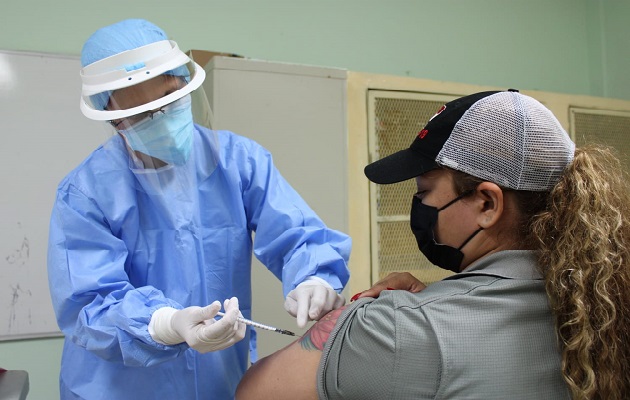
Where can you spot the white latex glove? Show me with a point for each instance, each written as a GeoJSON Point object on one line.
{"type": "Point", "coordinates": [197, 326]}
{"type": "Point", "coordinates": [311, 300]}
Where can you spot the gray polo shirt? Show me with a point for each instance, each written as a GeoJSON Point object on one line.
{"type": "Point", "coordinates": [485, 333]}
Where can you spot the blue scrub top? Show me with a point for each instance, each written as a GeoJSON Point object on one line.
{"type": "Point", "coordinates": [125, 242]}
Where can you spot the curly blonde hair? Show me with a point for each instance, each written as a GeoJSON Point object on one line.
{"type": "Point", "coordinates": [584, 238]}
{"type": "Point", "coordinates": [582, 231]}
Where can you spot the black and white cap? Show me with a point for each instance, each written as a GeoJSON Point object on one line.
{"type": "Point", "coordinates": [503, 137]}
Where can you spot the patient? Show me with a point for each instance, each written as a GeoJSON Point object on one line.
{"type": "Point", "coordinates": [538, 233]}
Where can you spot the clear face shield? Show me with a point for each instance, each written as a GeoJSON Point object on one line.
{"type": "Point", "coordinates": [149, 95]}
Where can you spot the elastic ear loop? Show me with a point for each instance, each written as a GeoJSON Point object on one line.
{"type": "Point", "coordinates": [480, 228]}
{"type": "Point", "coordinates": [456, 199]}
{"type": "Point", "coordinates": [466, 193]}
{"type": "Point", "coordinates": [470, 237]}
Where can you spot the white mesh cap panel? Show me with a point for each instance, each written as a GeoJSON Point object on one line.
{"type": "Point", "coordinates": [509, 139]}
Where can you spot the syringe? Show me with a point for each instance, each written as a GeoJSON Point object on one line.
{"type": "Point", "coordinates": [259, 325]}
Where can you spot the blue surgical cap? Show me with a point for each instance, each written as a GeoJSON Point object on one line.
{"type": "Point", "coordinates": [116, 38]}
{"type": "Point", "coordinates": [121, 36]}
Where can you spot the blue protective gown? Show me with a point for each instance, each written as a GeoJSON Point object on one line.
{"type": "Point", "coordinates": [126, 242]}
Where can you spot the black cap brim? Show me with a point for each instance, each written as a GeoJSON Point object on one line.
{"type": "Point", "coordinates": [398, 167]}
{"type": "Point", "coordinates": [420, 157]}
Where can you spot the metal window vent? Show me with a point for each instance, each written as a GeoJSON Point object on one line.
{"type": "Point", "coordinates": [610, 128]}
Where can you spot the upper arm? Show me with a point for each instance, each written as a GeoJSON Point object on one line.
{"type": "Point", "coordinates": [290, 373]}
{"type": "Point", "coordinates": [381, 349]}
{"type": "Point", "coordinates": [373, 349]}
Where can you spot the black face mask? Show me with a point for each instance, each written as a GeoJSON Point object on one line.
{"type": "Point", "coordinates": [423, 220]}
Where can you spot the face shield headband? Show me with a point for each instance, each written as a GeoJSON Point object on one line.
{"type": "Point", "coordinates": [133, 67]}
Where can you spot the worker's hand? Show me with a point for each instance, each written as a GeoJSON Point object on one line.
{"type": "Point", "coordinates": [393, 281]}
{"type": "Point", "coordinates": [197, 326]}
{"type": "Point", "coordinates": [311, 300]}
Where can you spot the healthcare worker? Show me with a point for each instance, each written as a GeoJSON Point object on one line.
{"type": "Point", "coordinates": [151, 235]}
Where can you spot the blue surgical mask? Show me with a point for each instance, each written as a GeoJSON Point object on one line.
{"type": "Point", "coordinates": [166, 134]}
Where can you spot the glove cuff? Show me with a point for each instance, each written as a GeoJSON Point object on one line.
{"type": "Point", "coordinates": [161, 329]}
{"type": "Point", "coordinates": [315, 281]}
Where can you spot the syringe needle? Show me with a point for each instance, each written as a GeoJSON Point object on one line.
{"type": "Point", "coordinates": [259, 325]}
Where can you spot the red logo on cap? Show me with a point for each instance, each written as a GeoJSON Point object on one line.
{"type": "Point", "coordinates": [424, 132]}
{"type": "Point", "coordinates": [439, 111]}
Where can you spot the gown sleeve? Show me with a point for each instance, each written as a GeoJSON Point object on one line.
{"type": "Point", "coordinates": [290, 239]}
{"type": "Point", "coordinates": [95, 304]}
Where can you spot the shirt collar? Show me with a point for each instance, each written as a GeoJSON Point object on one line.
{"type": "Point", "coordinates": [511, 264]}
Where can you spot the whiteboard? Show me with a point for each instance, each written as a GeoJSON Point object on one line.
{"type": "Point", "coordinates": [43, 136]}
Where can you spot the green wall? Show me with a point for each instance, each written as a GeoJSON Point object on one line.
{"type": "Point", "coordinates": [566, 46]}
